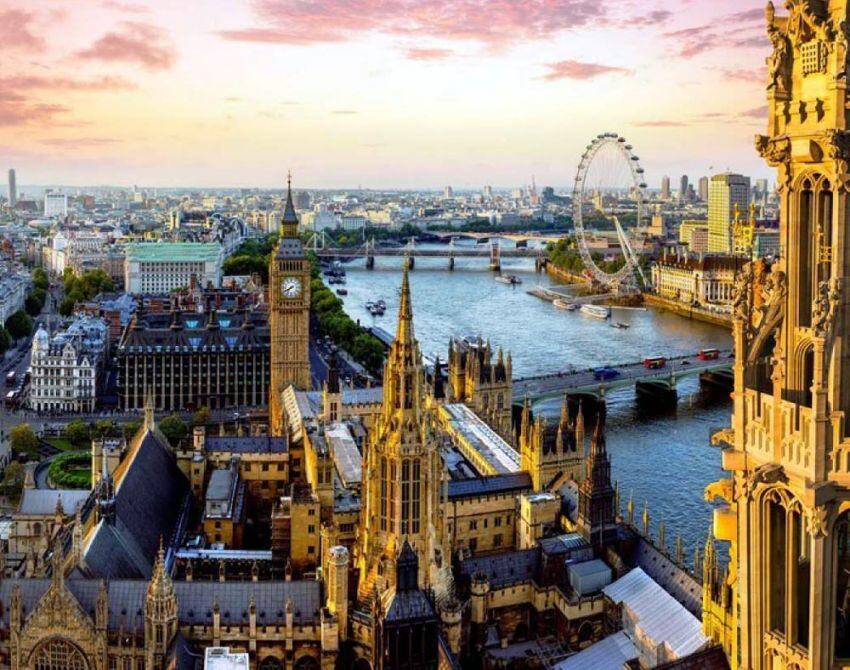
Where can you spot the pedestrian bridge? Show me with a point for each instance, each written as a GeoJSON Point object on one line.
{"type": "Point", "coordinates": [654, 381]}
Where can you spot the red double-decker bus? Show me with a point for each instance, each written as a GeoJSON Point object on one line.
{"type": "Point", "coordinates": [709, 354]}
{"type": "Point", "coordinates": [653, 362]}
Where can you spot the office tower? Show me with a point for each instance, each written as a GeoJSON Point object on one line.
{"type": "Point", "coordinates": [683, 188]}
{"type": "Point", "coordinates": [448, 193]}
{"type": "Point", "coordinates": [665, 188]}
{"type": "Point", "coordinates": [703, 189]}
{"type": "Point", "coordinates": [487, 192]}
{"type": "Point", "coordinates": [724, 193]}
{"type": "Point", "coordinates": [13, 189]}
{"type": "Point", "coordinates": [760, 194]}
{"type": "Point", "coordinates": [55, 204]}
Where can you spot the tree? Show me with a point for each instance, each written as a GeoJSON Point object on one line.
{"type": "Point", "coordinates": [5, 340]}
{"type": "Point", "coordinates": [13, 481]}
{"type": "Point", "coordinates": [66, 307]}
{"type": "Point", "coordinates": [202, 416]}
{"type": "Point", "coordinates": [23, 440]}
{"type": "Point", "coordinates": [39, 279]}
{"type": "Point", "coordinates": [77, 433]}
{"type": "Point", "coordinates": [130, 428]}
{"type": "Point", "coordinates": [19, 324]}
{"type": "Point", "coordinates": [174, 428]}
{"type": "Point", "coordinates": [32, 305]}
{"type": "Point", "coordinates": [105, 428]}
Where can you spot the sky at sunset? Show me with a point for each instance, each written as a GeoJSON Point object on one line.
{"type": "Point", "coordinates": [374, 93]}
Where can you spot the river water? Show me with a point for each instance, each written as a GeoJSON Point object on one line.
{"type": "Point", "coordinates": [661, 456]}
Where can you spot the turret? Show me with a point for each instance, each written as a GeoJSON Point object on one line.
{"type": "Point", "coordinates": [337, 587]}
{"type": "Point", "coordinates": [160, 613]}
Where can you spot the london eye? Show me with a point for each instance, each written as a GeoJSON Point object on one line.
{"type": "Point", "coordinates": [609, 191]}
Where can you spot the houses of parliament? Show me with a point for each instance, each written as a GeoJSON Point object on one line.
{"type": "Point", "coordinates": [430, 523]}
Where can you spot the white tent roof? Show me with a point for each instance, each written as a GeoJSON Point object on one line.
{"type": "Point", "coordinates": [657, 615]}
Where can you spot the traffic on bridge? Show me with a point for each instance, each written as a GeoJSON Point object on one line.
{"type": "Point", "coordinates": [658, 370]}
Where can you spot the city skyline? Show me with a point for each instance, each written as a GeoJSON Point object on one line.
{"type": "Point", "coordinates": [255, 88]}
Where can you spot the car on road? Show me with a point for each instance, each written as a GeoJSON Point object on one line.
{"type": "Point", "coordinates": [605, 373]}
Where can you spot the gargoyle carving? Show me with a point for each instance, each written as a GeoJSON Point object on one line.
{"type": "Point", "coordinates": [722, 489]}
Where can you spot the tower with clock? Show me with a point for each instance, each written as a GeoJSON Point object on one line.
{"type": "Point", "coordinates": [289, 318]}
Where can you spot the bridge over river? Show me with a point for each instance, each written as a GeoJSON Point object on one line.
{"type": "Point", "coordinates": [493, 251]}
{"type": "Point", "coordinates": [657, 381]}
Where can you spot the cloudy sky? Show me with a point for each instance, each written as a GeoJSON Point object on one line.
{"type": "Point", "coordinates": [374, 93]}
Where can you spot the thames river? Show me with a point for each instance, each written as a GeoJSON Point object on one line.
{"type": "Point", "coordinates": [659, 456]}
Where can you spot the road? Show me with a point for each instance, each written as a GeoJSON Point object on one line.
{"type": "Point", "coordinates": [585, 380]}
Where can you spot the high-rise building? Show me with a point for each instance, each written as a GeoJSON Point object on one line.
{"type": "Point", "coordinates": [760, 192]}
{"type": "Point", "coordinates": [487, 192]}
{"type": "Point", "coordinates": [683, 188]}
{"type": "Point", "coordinates": [55, 204]}
{"type": "Point", "coordinates": [289, 317]}
{"type": "Point", "coordinates": [665, 188]}
{"type": "Point", "coordinates": [725, 192]}
{"type": "Point", "coordinates": [703, 189]}
{"type": "Point", "coordinates": [13, 189]}
{"type": "Point", "coordinates": [448, 193]}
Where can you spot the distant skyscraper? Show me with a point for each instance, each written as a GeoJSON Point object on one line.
{"type": "Point", "coordinates": [55, 204]}
{"type": "Point", "coordinates": [683, 188]}
{"type": "Point", "coordinates": [703, 189]}
{"type": "Point", "coordinates": [760, 191]}
{"type": "Point", "coordinates": [13, 189]}
{"type": "Point", "coordinates": [487, 192]}
{"type": "Point", "coordinates": [724, 192]}
{"type": "Point", "coordinates": [448, 193]}
{"type": "Point", "coordinates": [665, 188]}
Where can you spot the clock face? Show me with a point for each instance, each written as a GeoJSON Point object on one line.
{"type": "Point", "coordinates": [290, 287]}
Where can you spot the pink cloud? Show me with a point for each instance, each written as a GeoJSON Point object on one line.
{"type": "Point", "coordinates": [494, 22]}
{"type": "Point", "coordinates": [426, 54]}
{"type": "Point", "coordinates": [651, 18]}
{"type": "Point", "coordinates": [573, 69]}
{"type": "Point", "coordinates": [660, 124]}
{"type": "Point", "coordinates": [79, 142]}
{"type": "Point", "coordinates": [691, 42]}
{"type": "Point", "coordinates": [22, 112]}
{"type": "Point", "coordinates": [16, 33]}
{"type": "Point", "coordinates": [127, 7]}
{"type": "Point", "coordinates": [758, 76]}
{"type": "Point", "coordinates": [135, 42]}
{"type": "Point", "coordinates": [755, 113]}
{"type": "Point", "coordinates": [32, 82]}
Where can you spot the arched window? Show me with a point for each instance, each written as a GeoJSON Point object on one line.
{"type": "Point", "coordinates": [270, 663]}
{"type": "Point", "coordinates": [842, 586]}
{"type": "Point", "coordinates": [58, 654]}
{"type": "Point", "coordinates": [306, 663]}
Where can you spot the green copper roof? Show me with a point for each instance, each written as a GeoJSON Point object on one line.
{"type": "Point", "coordinates": [174, 251]}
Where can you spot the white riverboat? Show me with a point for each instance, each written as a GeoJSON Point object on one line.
{"type": "Point", "coordinates": [596, 311]}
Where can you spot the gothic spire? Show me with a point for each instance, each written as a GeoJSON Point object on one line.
{"type": "Point", "coordinates": [289, 215]}
{"type": "Point", "coordinates": [597, 445]}
{"type": "Point", "coordinates": [404, 332]}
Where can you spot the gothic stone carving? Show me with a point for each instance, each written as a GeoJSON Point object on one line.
{"type": "Point", "coordinates": [769, 473]}
{"type": "Point", "coordinates": [823, 314]}
{"type": "Point", "coordinates": [816, 521]}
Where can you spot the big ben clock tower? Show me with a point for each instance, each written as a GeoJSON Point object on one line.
{"type": "Point", "coordinates": [289, 319]}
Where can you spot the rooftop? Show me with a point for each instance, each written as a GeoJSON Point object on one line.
{"type": "Point", "coordinates": [173, 251]}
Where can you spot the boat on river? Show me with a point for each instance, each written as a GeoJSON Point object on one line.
{"type": "Point", "coordinates": [508, 279]}
{"type": "Point", "coordinates": [564, 305]}
{"type": "Point", "coordinates": [596, 311]}
{"type": "Point", "coordinates": [619, 324]}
